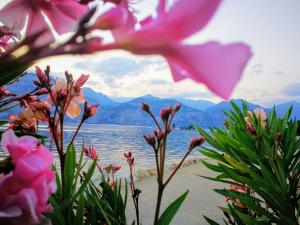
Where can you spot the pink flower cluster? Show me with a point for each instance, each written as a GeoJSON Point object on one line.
{"type": "Point", "coordinates": [62, 14]}
{"type": "Point", "coordinates": [217, 66]}
{"type": "Point", "coordinates": [25, 190]}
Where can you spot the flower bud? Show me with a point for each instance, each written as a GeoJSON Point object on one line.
{"type": "Point", "coordinates": [129, 157]}
{"type": "Point", "coordinates": [81, 81]}
{"type": "Point", "coordinates": [145, 107]}
{"type": "Point", "coordinates": [251, 129]}
{"type": "Point", "coordinates": [41, 75]}
{"type": "Point", "coordinates": [89, 111]}
{"type": "Point", "coordinates": [111, 19]}
{"type": "Point", "coordinates": [42, 91]}
{"type": "Point", "coordinates": [150, 140]}
{"type": "Point", "coordinates": [165, 113]}
{"type": "Point", "coordinates": [116, 169]}
{"type": "Point", "coordinates": [3, 92]}
{"type": "Point", "coordinates": [196, 141]}
{"type": "Point", "coordinates": [158, 134]}
{"type": "Point", "coordinates": [31, 98]}
{"type": "Point", "coordinates": [69, 77]}
{"type": "Point", "coordinates": [177, 107]}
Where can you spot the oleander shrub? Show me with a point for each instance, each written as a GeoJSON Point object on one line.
{"type": "Point", "coordinates": [258, 157]}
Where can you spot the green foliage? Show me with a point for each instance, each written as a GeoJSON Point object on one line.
{"type": "Point", "coordinates": [11, 70]}
{"type": "Point", "coordinates": [171, 211]}
{"type": "Point", "coordinates": [266, 161]}
{"type": "Point", "coordinates": [78, 201]}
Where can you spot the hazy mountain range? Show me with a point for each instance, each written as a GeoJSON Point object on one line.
{"type": "Point", "coordinates": [202, 112]}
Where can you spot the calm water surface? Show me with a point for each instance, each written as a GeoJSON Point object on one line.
{"type": "Point", "coordinates": [112, 141]}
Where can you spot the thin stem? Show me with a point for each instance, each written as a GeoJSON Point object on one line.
{"type": "Point", "coordinates": [177, 168]}
{"type": "Point", "coordinates": [156, 161]}
{"type": "Point", "coordinates": [99, 167]}
{"type": "Point", "coordinates": [158, 203]}
{"type": "Point", "coordinates": [135, 196]}
{"type": "Point", "coordinates": [155, 120]}
{"type": "Point", "coordinates": [76, 132]}
{"type": "Point", "coordinates": [163, 157]}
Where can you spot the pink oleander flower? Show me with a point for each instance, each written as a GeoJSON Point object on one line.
{"type": "Point", "coordinates": [111, 19]}
{"type": "Point", "coordinates": [6, 37]}
{"type": "Point", "coordinates": [240, 188]}
{"type": "Point", "coordinates": [217, 66]}
{"type": "Point", "coordinates": [260, 114]}
{"type": "Point", "coordinates": [62, 14]}
{"type": "Point", "coordinates": [25, 190]}
{"type": "Point", "coordinates": [91, 152]}
{"type": "Point", "coordinates": [69, 98]}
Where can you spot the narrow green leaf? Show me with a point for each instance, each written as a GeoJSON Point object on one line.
{"type": "Point", "coordinates": [171, 211]}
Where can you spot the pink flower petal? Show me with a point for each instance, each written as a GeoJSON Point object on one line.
{"type": "Point", "coordinates": [13, 15]}
{"type": "Point", "coordinates": [27, 200]}
{"type": "Point", "coordinates": [63, 17]}
{"type": "Point", "coordinates": [37, 24]}
{"type": "Point", "coordinates": [72, 9]}
{"type": "Point", "coordinates": [185, 18]}
{"type": "Point", "coordinates": [73, 110]}
{"type": "Point", "coordinates": [112, 19]}
{"type": "Point", "coordinates": [8, 137]}
{"type": "Point", "coordinates": [217, 66]}
{"type": "Point", "coordinates": [11, 212]}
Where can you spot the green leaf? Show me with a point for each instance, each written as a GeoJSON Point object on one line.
{"type": "Point", "coordinates": [210, 221]}
{"type": "Point", "coordinates": [2, 122]}
{"type": "Point", "coordinates": [171, 211]}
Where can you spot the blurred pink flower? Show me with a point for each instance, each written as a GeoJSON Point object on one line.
{"type": "Point", "coordinates": [111, 19]}
{"type": "Point", "coordinates": [25, 190]}
{"type": "Point", "coordinates": [261, 116]}
{"type": "Point", "coordinates": [63, 15]}
{"type": "Point", "coordinates": [217, 66]}
{"type": "Point", "coordinates": [68, 98]}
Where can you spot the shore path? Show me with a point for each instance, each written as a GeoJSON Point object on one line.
{"type": "Point", "coordinates": [201, 200]}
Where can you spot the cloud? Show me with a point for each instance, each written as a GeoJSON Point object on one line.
{"type": "Point", "coordinates": [113, 66]}
{"type": "Point", "coordinates": [113, 69]}
{"type": "Point", "coordinates": [157, 82]}
{"type": "Point", "coordinates": [292, 90]}
{"type": "Point", "coordinates": [256, 69]}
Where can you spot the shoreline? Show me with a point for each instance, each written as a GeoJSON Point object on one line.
{"type": "Point", "coordinates": [146, 173]}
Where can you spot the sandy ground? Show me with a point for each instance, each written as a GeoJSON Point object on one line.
{"type": "Point", "coordinates": [201, 200]}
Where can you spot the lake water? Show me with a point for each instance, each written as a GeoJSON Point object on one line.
{"type": "Point", "coordinates": [111, 141]}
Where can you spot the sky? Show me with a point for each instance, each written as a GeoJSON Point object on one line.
{"type": "Point", "coordinates": [271, 28]}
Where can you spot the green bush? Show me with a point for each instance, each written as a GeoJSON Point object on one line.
{"type": "Point", "coordinates": [260, 162]}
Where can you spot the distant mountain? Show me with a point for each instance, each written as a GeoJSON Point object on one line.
{"type": "Point", "coordinates": [130, 113]}
{"type": "Point", "coordinates": [202, 112]}
{"type": "Point", "coordinates": [196, 104]}
{"type": "Point", "coordinates": [217, 111]}
{"type": "Point", "coordinates": [281, 109]}
{"type": "Point", "coordinates": [94, 97]}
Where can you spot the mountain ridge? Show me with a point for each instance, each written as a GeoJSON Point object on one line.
{"type": "Point", "coordinates": [202, 112]}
